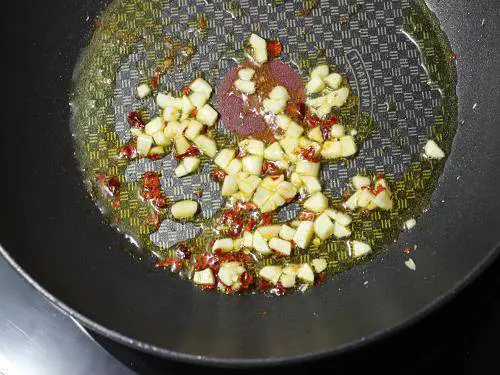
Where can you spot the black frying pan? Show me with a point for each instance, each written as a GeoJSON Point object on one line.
{"type": "Point", "coordinates": [55, 237]}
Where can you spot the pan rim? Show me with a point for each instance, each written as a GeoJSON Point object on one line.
{"type": "Point", "coordinates": [228, 362]}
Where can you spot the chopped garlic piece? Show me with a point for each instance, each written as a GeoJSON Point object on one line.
{"type": "Point", "coordinates": [411, 264]}
{"type": "Point", "coordinates": [410, 223]}
{"type": "Point", "coordinates": [143, 90]}
{"type": "Point", "coordinates": [433, 151]}
{"type": "Point", "coordinates": [184, 209]}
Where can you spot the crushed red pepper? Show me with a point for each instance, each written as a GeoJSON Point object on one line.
{"type": "Point", "coordinates": [274, 48]}
{"type": "Point", "coordinates": [307, 216]}
{"type": "Point", "coordinates": [218, 174]}
{"type": "Point", "coordinates": [135, 120]}
{"type": "Point", "coordinates": [191, 151]}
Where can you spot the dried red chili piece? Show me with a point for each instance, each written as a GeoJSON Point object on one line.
{"type": "Point", "coordinates": [278, 290]}
{"type": "Point", "coordinates": [319, 278]}
{"type": "Point", "coordinates": [267, 218]}
{"type": "Point", "coordinates": [135, 120]}
{"type": "Point", "coordinates": [116, 203]}
{"type": "Point", "coordinates": [239, 153]}
{"type": "Point", "coordinates": [207, 287]}
{"type": "Point", "coordinates": [307, 216]}
{"type": "Point", "coordinates": [274, 48]}
{"type": "Point", "coordinates": [326, 132]}
{"type": "Point", "coordinates": [186, 91]}
{"type": "Point", "coordinates": [380, 188]}
{"type": "Point", "coordinates": [346, 194]}
{"type": "Point", "coordinates": [330, 121]}
{"type": "Point", "coordinates": [312, 121]}
{"type": "Point", "coordinates": [296, 110]}
{"type": "Point", "coordinates": [453, 56]}
{"type": "Point", "coordinates": [407, 250]}
{"type": "Point", "coordinates": [160, 202]}
{"type": "Point", "coordinates": [264, 285]}
{"type": "Point", "coordinates": [113, 186]}
{"type": "Point", "coordinates": [175, 264]}
{"type": "Point", "coordinates": [218, 175]}
{"type": "Point", "coordinates": [191, 151]}
{"type": "Point", "coordinates": [270, 168]}
{"type": "Point", "coordinates": [128, 152]}
{"type": "Point", "coordinates": [380, 175]}
{"type": "Point", "coordinates": [246, 280]}
{"type": "Point", "coordinates": [250, 225]}
{"type": "Point", "coordinates": [155, 80]}
{"type": "Point", "coordinates": [183, 251]}
{"type": "Point", "coordinates": [155, 156]}
{"type": "Point", "coordinates": [151, 179]}
{"type": "Point", "coordinates": [309, 154]}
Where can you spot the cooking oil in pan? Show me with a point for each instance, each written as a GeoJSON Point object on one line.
{"type": "Point", "coordinates": [397, 58]}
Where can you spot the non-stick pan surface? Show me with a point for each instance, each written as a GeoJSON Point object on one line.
{"type": "Point", "coordinates": [55, 235]}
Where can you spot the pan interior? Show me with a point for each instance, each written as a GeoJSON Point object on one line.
{"type": "Point", "coordinates": [396, 57]}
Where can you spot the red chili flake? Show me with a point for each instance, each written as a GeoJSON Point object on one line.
{"type": "Point", "coordinates": [186, 91]}
{"type": "Point", "coordinates": [128, 152]}
{"type": "Point", "coordinates": [267, 218]}
{"type": "Point", "coordinates": [331, 121]}
{"type": "Point", "coordinates": [296, 110]}
{"type": "Point", "coordinates": [155, 80]}
{"type": "Point", "coordinates": [155, 156]}
{"type": "Point", "coordinates": [291, 200]}
{"type": "Point", "coordinates": [113, 186]}
{"type": "Point", "coordinates": [135, 120]}
{"type": "Point", "coordinates": [274, 48]}
{"type": "Point", "coordinates": [175, 264]}
{"type": "Point", "coordinates": [380, 175]}
{"type": "Point", "coordinates": [326, 132]}
{"type": "Point", "coordinates": [191, 151]}
{"type": "Point", "coordinates": [380, 188]}
{"type": "Point", "coordinates": [319, 278]}
{"type": "Point", "coordinates": [160, 202]}
{"type": "Point", "coordinates": [194, 112]}
{"type": "Point", "coordinates": [246, 280]}
{"type": "Point", "coordinates": [249, 206]}
{"type": "Point", "coordinates": [264, 285]}
{"type": "Point", "coordinates": [218, 175]}
{"type": "Point", "coordinates": [307, 216]}
{"type": "Point", "coordinates": [233, 221]}
{"type": "Point", "coordinates": [346, 194]}
{"type": "Point", "coordinates": [453, 56]}
{"type": "Point", "coordinates": [198, 192]}
{"type": "Point", "coordinates": [239, 153]}
{"type": "Point", "coordinates": [270, 168]}
{"type": "Point", "coordinates": [312, 121]}
{"type": "Point", "coordinates": [183, 251]}
{"type": "Point", "coordinates": [151, 179]}
{"type": "Point", "coordinates": [116, 203]}
{"type": "Point", "coordinates": [278, 290]}
{"type": "Point", "coordinates": [206, 261]}
{"type": "Point", "coordinates": [207, 287]}
{"type": "Point", "coordinates": [407, 250]}
{"type": "Point", "coordinates": [309, 154]}
{"type": "Point", "coordinates": [243, 258]}
{"type": "Point", "coordinates": [250, 225]}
